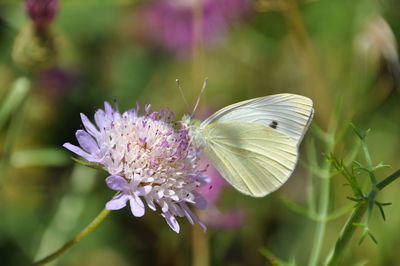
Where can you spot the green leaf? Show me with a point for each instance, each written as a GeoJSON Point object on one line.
{"type": "Point", "coordinates": [364, 234]}
{"type": "Point", "coordinates": [39, 157]}
{"type": "Point", "coordinates": [13, 99]}
{"type": "Point", "coordinates": [380, 166]}
{"type": "Point", "coordinates": [89, 164]}
{"type": "Point", "coordinates": [381, 210]}
{"type": "Point", "coordinates": [273, 260]}
{"type": "Point", "coordinates": [360, 225]}
{"type": "Point", "coordinates": [361, 136]}
{"type": "Point", "coordinates": [372, 237]}
{"type": "Point", "coordinates": [355, 199]}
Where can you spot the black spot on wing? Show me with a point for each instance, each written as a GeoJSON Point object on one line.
{"type": "Point", "coordinates": [274, 124]}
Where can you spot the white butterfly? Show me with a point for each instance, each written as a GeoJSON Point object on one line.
{"type": "Point", "coordinates": [254, 144]}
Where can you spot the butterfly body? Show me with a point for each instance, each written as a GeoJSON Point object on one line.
{"type": "Point", "coordinates": [254, 143]}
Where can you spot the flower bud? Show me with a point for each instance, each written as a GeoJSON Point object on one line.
{"type": "Point", "coordinates": [35, 49]}
{"type": "Point", "coordinates": [41, 12]}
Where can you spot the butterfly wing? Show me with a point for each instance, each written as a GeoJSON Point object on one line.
{"type": "Point", "coordinates": [253, 158]}
{"type": "Point", "coordinates": [290, 114]}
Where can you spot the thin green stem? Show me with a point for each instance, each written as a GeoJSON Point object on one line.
{"type": "Point", "coordinates": [369, 162]}
{"type": "Point", "coordinates": [323, 202]}
{"type": "Point", "coordinates": [346, 233]}
{"type": "Point", "coordinates": [388, 180]}
{"type": "Point", "coordinates": [93, 225]}
{"type": "Point", "coordinates": [322, 217]}
{"type": "Point", "coordinates": [358, 213]}
{"type": "Point", "coordinates": [14, 99]}
{"type": "Point", "coordinates": [14, 129]}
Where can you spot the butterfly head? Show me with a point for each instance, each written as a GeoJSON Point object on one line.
{"type": "Point", "coordinates": [192, 127]}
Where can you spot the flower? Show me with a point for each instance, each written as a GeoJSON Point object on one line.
{"type": "Point", "coordinates": [37, 46]}
{"type": "Point", "coordinates": [41, 12]}
{"type": "Point", "coordinates": [57, 81]}
{"type": "Point", "coordinates": [150, 159]}
{"type": "Point", "coordinates": [169, 23]}
{"type": "Point", "coordinates": [377, 40]}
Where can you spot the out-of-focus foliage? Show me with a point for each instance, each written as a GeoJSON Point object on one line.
{"type": "Point", "coordinates": [103, 54]}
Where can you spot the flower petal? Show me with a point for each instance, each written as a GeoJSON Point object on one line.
{"type": "Point", "coordinates": [199, 201]}
{"type": "Point", "coordinates": [186, 209]}
{"type": "Point", "coordinates": [109, 110]}
{"type": "Point", "coordinates": [117, 183]}
{"type": "Point", "coordinates": [171, 221]}
{"type": "Point", "coordinates": [101, 119]}
{"type": "Point", "coordinates": [137, 206]}
{"type": "Point", "coordinates": [164, 205]}
{"type": "Point", "coordinates": [150, 203]}
{"type": "Point", "coordinates": [79, 151]}
{"type": "Point", "coordinates": [118, 202]}
{"type": "Point", "coordinates": [187, 214]}
{"type": "Point", "coordinates": [87, 142]}
{"type": "Point", "coordinates": [90, 128]}
{"type": "Point", "coordinates": [143, 191]}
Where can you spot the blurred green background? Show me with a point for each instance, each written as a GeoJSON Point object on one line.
{"type": "Point", "coordinates": [331, 51]}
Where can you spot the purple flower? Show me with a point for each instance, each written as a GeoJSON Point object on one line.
{"type": "Point", "coordinates": [151, 161]}
{"type": "Point", "coordinates": [41, 12]}
{"type": "Point", "coordinates": [169, 23]}
{"type": "Point", "coordinates": [56, 82]}
{"type": "Point", "coordinates": [212, 191]}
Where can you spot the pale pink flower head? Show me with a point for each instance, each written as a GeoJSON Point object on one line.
{"type": "Point", "coordinates": [151, 160]}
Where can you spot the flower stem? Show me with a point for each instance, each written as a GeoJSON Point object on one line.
{"type": "Point", "coordinates": [102, 215]}
{"type": "Point", "coordinates": [388, 180]}
{"type": "Point", "coordinates": [200, 244]}
{"type": "Point", "coordinates": [346, 233]}
{"type": "Point", "coordinates": [322, 215]}
{"type": "Point", "coordinates": [369, 162]}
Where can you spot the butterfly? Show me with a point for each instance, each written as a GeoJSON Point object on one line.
{"type": "Point", "coordinates": [254, 144]}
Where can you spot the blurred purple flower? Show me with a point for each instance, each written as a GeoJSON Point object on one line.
{"type": "Point", "coordinates": [169, 23]}
{"type": "Point", "coordinates": [148, 159]}
{"type": "Point", "coordinates": [57, 81]}
{"type": "Point", "coordinates": [212, 191]}
{"type": "Point", "coordinates": [41, 12]}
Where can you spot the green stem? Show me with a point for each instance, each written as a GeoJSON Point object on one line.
{"type": "Point", "coordinates": [346, 233]}
{"type": "Point", "coordinates": [358, 213]}
{"type": "Point", "coordinates": [323, 200]}
{"type": "Point", "coordinates": [14, 130]}
{"type": "Point", "coordinates": [14, 99]}
{"type": "Point", "coordinates": [388, 180]}
{"type": "Point", "coordinates": [322, 217]}
{"type": "Point", "coordinates": [369, 162]}
{"type": "Point", "coordinates": [102, 215]}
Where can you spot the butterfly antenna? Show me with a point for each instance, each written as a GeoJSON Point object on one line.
{"type": "Point", "coordinates": [183, 95]}
{"type": "Point", "coordinates": [198, 98]}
